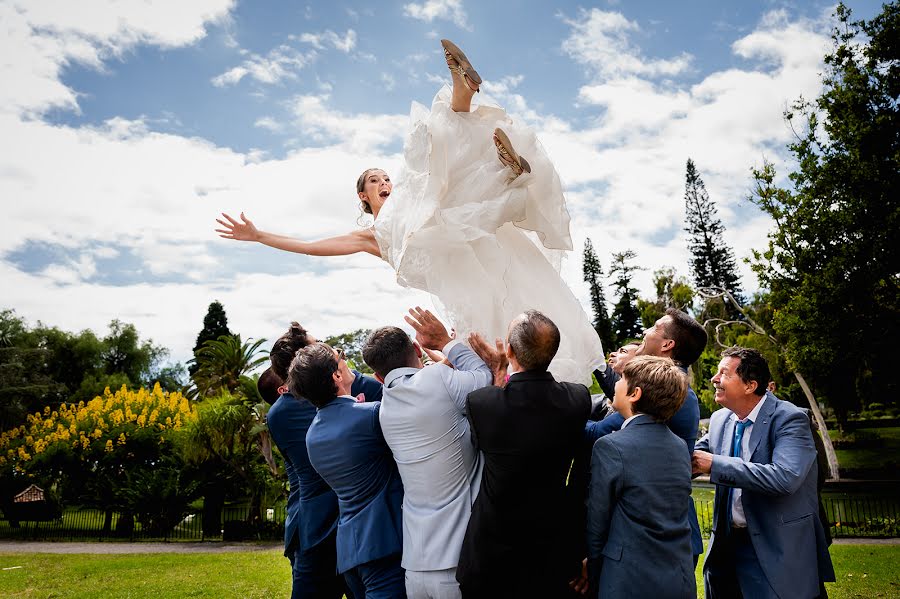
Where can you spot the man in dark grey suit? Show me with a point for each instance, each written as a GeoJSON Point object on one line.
{"type": "Point", "coordinates": [638, 535]}
{"type": "Point", "coordinates": [767, 539]}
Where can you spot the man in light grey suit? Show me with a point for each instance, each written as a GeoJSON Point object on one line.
{"type": "Point", "coordinates": [767, 539]}
{"type": "Point", "coordinates": [424, 423]}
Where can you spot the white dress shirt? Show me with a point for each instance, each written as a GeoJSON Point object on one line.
{"type": "Point", "coordinates": [738, 520]}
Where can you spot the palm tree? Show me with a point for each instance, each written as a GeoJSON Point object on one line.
{"type": "Point", "coordinates": [221, 363]}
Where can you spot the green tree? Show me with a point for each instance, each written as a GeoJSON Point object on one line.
{"type": "Point", "coordinates": [215, 324]}
{"type": "Point", "coordinates": [672, 291]}
{"type": "Point", "coordinates": [831, 261]}
{"type": "Point", "coordinates": [222, 446]}
{"type": "Point", "coordinates": [712, 260]}
{"type": "Point", "coordinates": [352, 344]}
{"type": "Point", "coordinates": [626, 320]}
{"type": "Point", "coordinates": [593, 272]}
{"type": "Point", "coordinates": [220, 364]}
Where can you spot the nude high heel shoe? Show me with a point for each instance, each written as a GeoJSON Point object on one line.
{"type": "Point", "coordinates": [508, 155]}
{"type": "Point", "coordinates": [459, 64]}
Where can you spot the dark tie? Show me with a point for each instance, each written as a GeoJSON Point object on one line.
{"type": "Point", "coordinates": [736, 452]}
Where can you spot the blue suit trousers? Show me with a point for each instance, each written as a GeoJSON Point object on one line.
{"type": "Point", "coordinates": [739, 574]}
{"type": "Point", "coordinates": [379, 579]}
{"type": "Point", "coordinates": [314, 572]}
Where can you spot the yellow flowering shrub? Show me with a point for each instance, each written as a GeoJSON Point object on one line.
{"type": "Point", "coordinates": [104, 424]}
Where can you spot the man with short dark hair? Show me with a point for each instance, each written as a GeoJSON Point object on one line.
{"type": "Point", "coordinates": [423, 419]}
{"type": "Point", "coordinates": [614, 365]}
{"type": "Point", "coordinates": [312, 512]}
{"type": "Point", "coordinates": [767, 539]}
{"type": "Point", "coordinates": [520, 541]}
{"type": "Point", "coordinates": [682, 339]}
{"type": "Point", "coordinates": [638, 535]}
{"type": "Point", "coordinates": [347, 449]}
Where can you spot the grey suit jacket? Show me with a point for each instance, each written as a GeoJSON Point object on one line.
{"type": "Point", "coordinates": [639, 537]}
{"type": "Point", "coordinates": [423, 418]}
{"type": "Point", "coordinates": [778, 494]}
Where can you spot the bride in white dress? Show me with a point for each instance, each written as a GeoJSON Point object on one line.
{"type": "Point", "coordinates": [482, 235]}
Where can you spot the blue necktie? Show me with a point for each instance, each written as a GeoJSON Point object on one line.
{"type": "Point", "coordinates": [736, 452]}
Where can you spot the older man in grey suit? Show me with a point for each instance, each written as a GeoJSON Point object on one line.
{"type": "Point", "coordinates": [767, 539]}
{"type": "Point", "coordinates": [424, 423]}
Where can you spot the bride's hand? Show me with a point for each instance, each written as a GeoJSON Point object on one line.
{"type": "Point", "coordinates": [241, 231]}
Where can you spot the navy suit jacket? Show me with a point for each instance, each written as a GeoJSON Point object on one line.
{"type": "Point", "coordinates": [367, 385]}
{"type": "Point", "coordinates": [312, 507]}
{"type": "Point", "coordinates": [638, 536]}
{"type": "Point", "coordinates": [347, 449]}
{"type": "Point", "coordinates": [778, 494]}
{"type": "Point", "coordinates": [685, 423]}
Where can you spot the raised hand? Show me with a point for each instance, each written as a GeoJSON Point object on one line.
{"type": "Point", "coordinates": [494, 357]}
{"type": "Point", "coordinates": [430, 332]}
{"type": "Point", "coordinates": [244, 230]}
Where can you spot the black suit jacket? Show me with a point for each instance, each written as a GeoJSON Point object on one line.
{"type": "Point", "coordinates": [520, 531]}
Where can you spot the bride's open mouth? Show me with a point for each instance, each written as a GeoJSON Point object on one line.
{"type": "Point", "coordinates": [384, 193]}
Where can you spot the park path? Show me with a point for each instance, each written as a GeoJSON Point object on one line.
{"type": "Point", "coordinates": [122, 548]}
{"type": "Point", "coordinates": [125, 548]}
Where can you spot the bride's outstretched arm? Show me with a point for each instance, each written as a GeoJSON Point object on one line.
{"type": "Point", "coordinates": [342, 245]}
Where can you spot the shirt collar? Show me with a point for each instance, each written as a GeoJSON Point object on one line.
{"type": "Point", "coordinates": [754, 413]}
{"type": "Point", "coordinates": [627, 420]}
{"type": "Point", "coordinates": [399, 372]}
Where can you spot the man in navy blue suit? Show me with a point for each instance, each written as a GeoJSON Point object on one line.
{"type": "Point", "coordinates": [310, 527]}
{"type": "Point", "coordinates": [767, 539]}
{"type": "Point", "coordinates": [681, 338]}
{"type": "Point", "coordinates": [346, 447]}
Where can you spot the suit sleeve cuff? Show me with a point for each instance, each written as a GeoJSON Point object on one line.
{"type": "Point", "coordinates": [453, 343]}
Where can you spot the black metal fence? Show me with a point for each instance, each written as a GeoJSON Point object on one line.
{"type": "Point", "coordinates": [850, 517]}
{"type": "Point", "coordinates": [91, 524]}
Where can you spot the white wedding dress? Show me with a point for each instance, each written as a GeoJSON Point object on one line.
{"type": "Point", "coordinates": [488, 249]}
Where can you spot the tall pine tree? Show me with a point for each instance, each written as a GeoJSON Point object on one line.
{"type": "Point", "coordinates": [593, 272]}
{"type": "Point", "coordinates": [712, 260]}
{"type": "Point", "coordinates": [626, 318]}
{"type": "Point", "coordinates": [215, 324]}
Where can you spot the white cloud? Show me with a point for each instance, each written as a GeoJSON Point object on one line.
{"type": "Point", "coordinates": [329, 38]}
{"type": "Point", "coordinates": [628, 164]}
{"type": "Point", "coordinates": [428, 11]}
{"type": "Point", "coordinates": [601, 40]}
{"type": "Point", "coordinates": [269, 124]}
{"type": "Point", "coordinates": [280, 63]}
{"type": "Point", "coordinates": [285, 61]}
{"type": "Point", "coordinates": [46, 37]}
{"type": "Point", "coordinates": [363, 132]}
{"type": "Point", "coordinates": [172, 314]}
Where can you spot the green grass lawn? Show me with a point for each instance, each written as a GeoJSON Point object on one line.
{"type": "Point", "coordinates": [863, 571]}
{"type": "Point", "coordinates": [887, 456]}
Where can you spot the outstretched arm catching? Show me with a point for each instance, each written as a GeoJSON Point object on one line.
{"type": "Point", "coordinates": [342, 245]}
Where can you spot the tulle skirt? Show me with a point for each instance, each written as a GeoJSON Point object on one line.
{"type": "Point", "coordinates": [487, 247]}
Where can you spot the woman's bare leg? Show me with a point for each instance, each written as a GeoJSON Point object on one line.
{"type": "Point", "coordinates": [461, 100]}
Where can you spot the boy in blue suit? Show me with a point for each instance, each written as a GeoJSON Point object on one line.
{"type": "Point", "coordinates": [347, 449]}
{"type": "Point", "coordinates": [639, 537]}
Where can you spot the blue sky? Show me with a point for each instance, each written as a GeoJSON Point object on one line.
{"type": "Point", "coordinates": [127, 127]}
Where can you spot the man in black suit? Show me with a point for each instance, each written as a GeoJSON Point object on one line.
{"type": "Point", "coordinates": [519, 541]}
